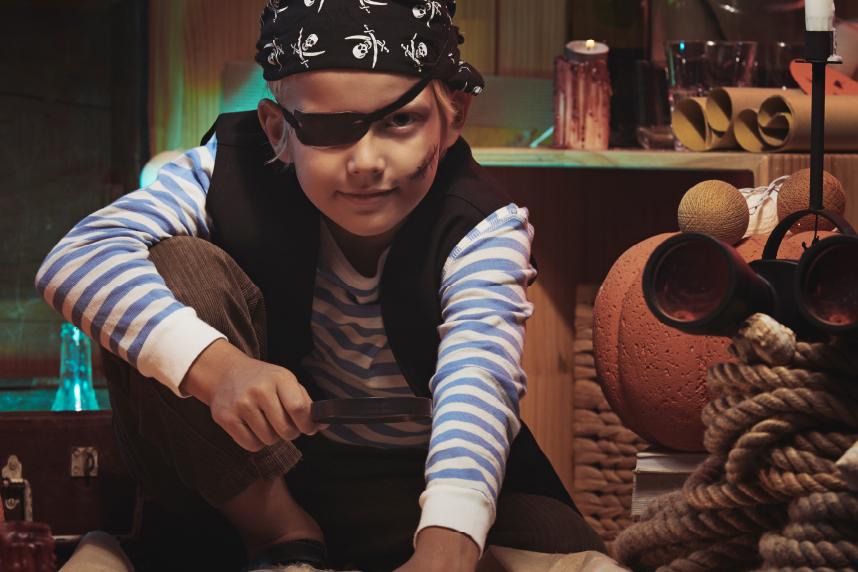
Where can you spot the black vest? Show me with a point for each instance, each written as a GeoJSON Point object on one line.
{"type": "Point", "coordinates": [262, 219]}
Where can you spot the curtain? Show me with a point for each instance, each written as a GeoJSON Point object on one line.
{"type": "Point", "coordinates": [190, 40]}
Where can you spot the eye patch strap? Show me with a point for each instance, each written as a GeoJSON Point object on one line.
{"type": "Point", "coordinates": [406, 98]}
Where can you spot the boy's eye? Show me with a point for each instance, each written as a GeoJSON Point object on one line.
{"type": "Point", "coordinates": [401, 119]}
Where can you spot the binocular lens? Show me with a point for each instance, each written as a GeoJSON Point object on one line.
{"type": "Point", "coordinates": [691, 281]}
{"type": "Point", "coordinates": [829, 285]}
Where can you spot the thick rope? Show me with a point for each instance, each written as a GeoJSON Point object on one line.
{"type": "Point", "coordinates": [771, 494]}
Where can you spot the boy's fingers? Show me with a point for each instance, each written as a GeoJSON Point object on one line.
{"type": "Point", "coordinates": [242, 435]}
{"type": "Point", "coordinates": [277, 418]}
{"type": "Point", "coordinates": [297, 404]}
{"type": "Point", "coordinates": [260, 427]}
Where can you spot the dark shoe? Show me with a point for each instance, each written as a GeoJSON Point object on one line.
{"type": "Point", "coordinates": [310, 552]}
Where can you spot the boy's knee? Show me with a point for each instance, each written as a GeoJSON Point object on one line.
{"type": "Point", "coordinates": [190, 258]}
{"type": "Point", "coordinates": [204, 277]}
{"type": "Point", "coordinates": [193, 267]}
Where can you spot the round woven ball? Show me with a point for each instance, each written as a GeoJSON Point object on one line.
{"type": "Point", "coordinates": [715, 208]}
{"type": "Point", "coordinates": [795, 196]}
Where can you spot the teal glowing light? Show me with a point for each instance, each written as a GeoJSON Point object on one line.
{"type": "Point", "coordinates": [75, 392]}
{"type": "Point", "coordinates": [150, 170]}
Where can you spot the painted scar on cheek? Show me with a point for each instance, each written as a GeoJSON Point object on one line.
{"type": "Point", "coordinates": [420, 172]}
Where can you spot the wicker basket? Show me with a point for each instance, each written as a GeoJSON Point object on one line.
{"type": "Point", "coordinates": [605, 450]}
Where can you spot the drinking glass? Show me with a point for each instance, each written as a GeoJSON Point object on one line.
{"type": "Point", "coordinates": [730, 64]}
{"type": "Point", "coordinates": [686, 70]}
{"type": "Point", "coordinates": [652, 109]}
{"type": "Point", "coordinates": [772, 65]}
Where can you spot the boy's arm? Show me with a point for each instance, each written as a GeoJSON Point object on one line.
{"type": "Point", "coordinates": [479, 379]}
{"type": "Point", "coordinates": [100, 278]}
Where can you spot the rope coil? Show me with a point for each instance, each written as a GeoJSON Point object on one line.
{"type": "Point", "coordinates": [771, 495]}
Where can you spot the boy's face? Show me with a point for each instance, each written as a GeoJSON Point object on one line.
{"type": "Point", "coordinates": [369, 187]}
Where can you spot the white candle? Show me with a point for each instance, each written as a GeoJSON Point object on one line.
{"type": "Point", "coordinates": [588, 50]}
{"type": "Point", "coordinates": [819, 15]}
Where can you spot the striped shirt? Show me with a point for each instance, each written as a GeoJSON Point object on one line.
{"type": "Point", "coordinates": [351, 356]}
{"type": "Point", "coordinates": [99, 277]}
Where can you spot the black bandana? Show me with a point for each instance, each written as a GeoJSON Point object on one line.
{"type": "Point", "coordinates": [413, 37]}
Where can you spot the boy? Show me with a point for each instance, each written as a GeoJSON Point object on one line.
{"type": "Point", "coordinates": [379, 264]}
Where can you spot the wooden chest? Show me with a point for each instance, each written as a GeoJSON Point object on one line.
{"type": "Point", "coordinates": [77, 479]}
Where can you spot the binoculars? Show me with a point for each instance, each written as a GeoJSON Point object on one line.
{"type": "Point", "coordinates": [700, 285]}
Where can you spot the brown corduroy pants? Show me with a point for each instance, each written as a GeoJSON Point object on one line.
{"type": "Point", "coordinates": [365, 499]}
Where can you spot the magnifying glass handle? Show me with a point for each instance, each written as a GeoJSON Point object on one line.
{"type": "Point", "coordinates": [365, 410]}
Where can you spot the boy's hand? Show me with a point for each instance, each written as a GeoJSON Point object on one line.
{"type": "Point", "coordinates": [442, 550]}
{"type": "Point", "coordinates": [256, 403]}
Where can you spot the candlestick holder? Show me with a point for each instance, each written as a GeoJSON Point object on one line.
{"type": "Point", "coordinates": [819, 52]}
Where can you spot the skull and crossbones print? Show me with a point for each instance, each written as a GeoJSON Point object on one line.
{"type": "Point", "coordinates": [430, 9]}
{"type": "Point", "coordinates": [275, 53]}
{"type": "Point", "coordinates": [368, 43]}
{"type": "Point", "coordinates": [365, 4]}
{"type": "Point", "coordinates": [416, 51]}
{"type": "Point", "coordinates": [309, 4]}
{"type": "Point", "coordinates": [301, 48]}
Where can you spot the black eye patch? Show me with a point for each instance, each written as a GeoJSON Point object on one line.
{"type": "Point", "coordinates": [346, 127]}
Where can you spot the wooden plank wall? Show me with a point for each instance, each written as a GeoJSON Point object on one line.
{"type": "Point", "coordinates": [618, 23]}
{"type": "Point", "coordinates": [192, 39]}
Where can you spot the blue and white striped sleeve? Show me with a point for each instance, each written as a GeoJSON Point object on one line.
{"type": "Point", "coordinates": [100, 278]}
{"type": "Point", "coordinates": [479, 380]}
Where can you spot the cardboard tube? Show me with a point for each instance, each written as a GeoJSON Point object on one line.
{"type": "Point", "coordinates": [689, 123]}
{"type": "Point", "coordinates": [725, 103]}
{"type": "Point", "coordinates": [722, 140]}
{"type": "Point", "coordinates": [747, 131]}
{"type": "Point", "coordinates": [692, 129]}
{"type": "Point", "coordinates": [784, 122]}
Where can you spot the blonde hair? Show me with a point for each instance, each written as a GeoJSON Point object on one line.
{"type": "Point", "coordinates": [450, 115]}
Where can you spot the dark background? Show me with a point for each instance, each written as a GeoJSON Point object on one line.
{"type": "Point", "coordinates": [72, 118]}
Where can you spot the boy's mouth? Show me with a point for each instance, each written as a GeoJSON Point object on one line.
{"type": "Point", "coordinates": [365, 197]}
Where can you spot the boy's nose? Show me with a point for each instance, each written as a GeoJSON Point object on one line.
{"type": "Point", "coordinates": [365, 158]}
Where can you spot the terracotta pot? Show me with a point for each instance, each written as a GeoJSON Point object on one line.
{"type": "Point", "coordinates": [653, 376]}
{"type": "Point", "coordinates": [606, 322]}
{"type": "Point", "coordinates": [791, 247]}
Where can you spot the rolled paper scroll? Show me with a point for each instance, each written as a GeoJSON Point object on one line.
{"type": "Point", "coordinates": [725, 103]}
{"type": "Point", "coordinates": [746, 129]}
{"type": "Point", "coordinates": [691, 127]}
{"type": "Point", "coordinates": [784, 122]}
